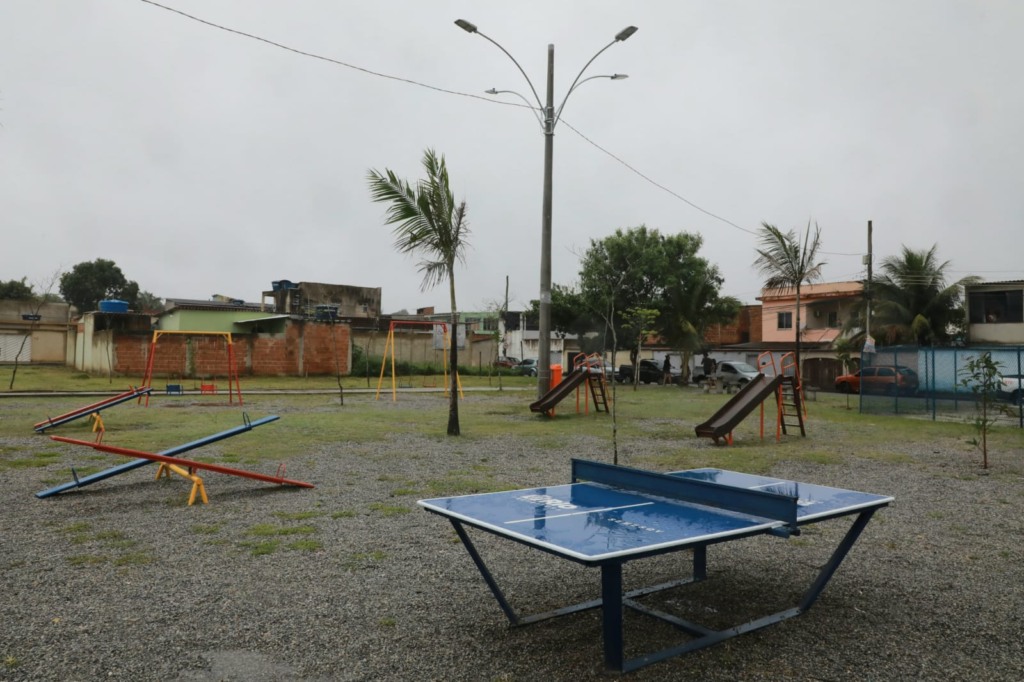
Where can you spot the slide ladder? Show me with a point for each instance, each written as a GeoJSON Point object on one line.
{"type": "Point", "coordinates": [792, 407]}
{"type": "Point", "coordinates": [791, 411]}
{"type": "Point", "coordinates": [598, 389]}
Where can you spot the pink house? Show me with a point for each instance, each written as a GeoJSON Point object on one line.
{"type": "Point", "coordinates": [824, 308]}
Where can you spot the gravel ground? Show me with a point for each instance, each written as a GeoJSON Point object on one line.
{"type": "Point", "coordinates": [121, 580]}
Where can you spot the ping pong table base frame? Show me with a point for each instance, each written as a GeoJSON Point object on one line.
{"type": "Point", "coordinates": [613, 600]}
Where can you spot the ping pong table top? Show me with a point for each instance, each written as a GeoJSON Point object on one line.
{"type": "Point", "coordinates": [607, 518]}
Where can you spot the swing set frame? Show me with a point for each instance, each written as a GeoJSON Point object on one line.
{"type": "Point", "coordinates": [234, 388]}
{"type": "Point", "coordinates": [389, 345]}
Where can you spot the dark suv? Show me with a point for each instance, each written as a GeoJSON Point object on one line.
{"type": "Point", "coordinates": [884, 379]}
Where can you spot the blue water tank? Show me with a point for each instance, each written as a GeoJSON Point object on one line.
{"type": "Point", "coordinates": [112, 305]}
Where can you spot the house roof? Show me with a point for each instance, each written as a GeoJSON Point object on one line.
{"type": "Point", "coordinates": [268, 318]}
{"type": "Point", "coordinates": [1013, 282]}
{"type": "Point", "coordinates": [196, 304]}
{"type": "Point", "coordinates": [809, 292]}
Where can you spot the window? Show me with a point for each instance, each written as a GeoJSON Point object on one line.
{"type": "Point", "coordinates": [785, 320]}
{"type": "Point", "coordinates": [993, 307]}
{"type": "Point", "coordinates": [833, 320]}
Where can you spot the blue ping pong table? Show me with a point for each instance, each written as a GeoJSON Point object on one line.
{"type": "Point", "coordinates": [610, 515]}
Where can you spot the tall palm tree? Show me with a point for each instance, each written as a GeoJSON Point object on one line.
{"type": "Point", "coordinates": [429, 222]}
{"type": "Point", "coordinates": [787, 263]}
{"type": "Point", "coordinates": [912, 302]}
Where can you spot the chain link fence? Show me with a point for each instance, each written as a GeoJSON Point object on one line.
{"type": "Point", "coordinates": [939, 393]}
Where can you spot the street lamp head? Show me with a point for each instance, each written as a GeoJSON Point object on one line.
{"type": "Point", "coordinates": [620, 36]}
{"type": "Point", "coordinates": [492, 91]}
{"type": "Point", "coordinates": [618, 76]}
{"type": "Point", "coordinates": [471, 28]}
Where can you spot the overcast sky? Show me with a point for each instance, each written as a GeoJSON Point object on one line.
{"type": "Point", "coordinates": [204, 162]}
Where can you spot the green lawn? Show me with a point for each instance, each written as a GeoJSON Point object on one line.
{"type": "Point", "coordinates": [664, 416]}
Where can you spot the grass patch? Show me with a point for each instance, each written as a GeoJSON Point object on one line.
{"type": "Point", "coordinates": [86, 559]}
{"type": "Point", "coordinates": [398, 492]}
{"type": "Point", "coordinates": [40, 459]}
{"type": "Point", "coordinates": [134, 559]}
{"type": "Point", "coordinates": [297, 516]}
{"type": "Point", "coordinates": [360, 560]}
{"type": "Point", "coordinates": [201, 529]}
{"type": "Point", "coordinates": [343, 514]}
{"type": "Point", "coordinates": [262, 547]}
{"type": "Point", "coordinates": [388, 509]}
{"type": "Point", "coordinates": [307, 545]}
{"type": "Point", "coordinates": [269, 530]}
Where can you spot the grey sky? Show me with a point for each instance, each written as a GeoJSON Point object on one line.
{"type": "Point", "coordinates": [204, 162]}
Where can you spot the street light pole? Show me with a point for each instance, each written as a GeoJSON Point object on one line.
{"type": "Point", "coordinates": [550, 118]}
{"type": "Point", "coordinates": [544, 331]}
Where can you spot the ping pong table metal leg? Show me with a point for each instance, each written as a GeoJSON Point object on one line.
{"type": "Point", "coordinates": [485, 572]}
{"type": "Point", "coordinates": [856, 528]}
{"type": "Point", "coordinates": [611, 620]}
{"type": "Point", "coordinates": [700, 562]}
{"type": "Point", "coordinates": [706, 637]}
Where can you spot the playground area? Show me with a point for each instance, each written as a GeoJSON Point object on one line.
{"type": "Point", "coordinates": [350, 580]}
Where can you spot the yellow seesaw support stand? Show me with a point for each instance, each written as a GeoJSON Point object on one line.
{"type": "Point", "coordinates": [165, 469]}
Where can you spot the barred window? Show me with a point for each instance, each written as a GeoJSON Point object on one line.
{"type": "Point", "coordinates": [993, 307]}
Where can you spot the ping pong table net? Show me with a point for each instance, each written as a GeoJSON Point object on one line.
{"type": "Point", "coordinates": [780, 504]}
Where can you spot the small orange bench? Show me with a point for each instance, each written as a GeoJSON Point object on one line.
{"type": "Point", "coordinates": [207, 388]}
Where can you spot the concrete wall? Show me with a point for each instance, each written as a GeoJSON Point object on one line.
{"type": "Point", "coordinates": [47, 337]}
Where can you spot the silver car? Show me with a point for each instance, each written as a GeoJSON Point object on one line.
{"type": "Point", "coordinates": [730, 373]}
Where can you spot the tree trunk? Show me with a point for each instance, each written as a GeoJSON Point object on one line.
{"type": "Point", "coordinates": [453, 387]}
{"type": "Point", "coordinates": [799, 373]}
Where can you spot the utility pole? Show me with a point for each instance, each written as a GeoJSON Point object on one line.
{"type": "Point", "coordinates": [867, 289]}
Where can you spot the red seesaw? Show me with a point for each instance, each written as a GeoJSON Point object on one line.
{"type": "Point", "coordinates": [178, 465]}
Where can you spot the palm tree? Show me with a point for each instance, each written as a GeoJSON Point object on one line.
{"type": "Point", "coordinates": [912, 303]}
{"type": "Point", "coordinates": [787, 263]}
{"type": "Point", "coordinates": [428, 221]}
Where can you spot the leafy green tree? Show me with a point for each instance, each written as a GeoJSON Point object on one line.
{"type": "Point", "coordinates": [429, 222]}
{"type": "Point", "coordinates": [88, 283]}
{"type": "Point", "coordinates": [570, 315]}
{"type": "Point", "coordinates": [150, 303]}
{"type": "Point", "coordinates": [912, 303]}
{"type": "Point", "coordinates": [16, 290]}
{"type": "Point", "coordinates": [980, 375]}
{"type": "Point", "coordinates": [640, 322]}
{"type": "Point", "coordinates": [640, 268]}
{"type": "Point", "coordinates": [787, 263]}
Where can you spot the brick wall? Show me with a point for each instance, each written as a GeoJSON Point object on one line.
{"type": "Point", "coordinates": [318, 348]}
{"type": "Point", "coordinates": [306, 348]}
{"type": "Point", "coordinates": [131, 352]}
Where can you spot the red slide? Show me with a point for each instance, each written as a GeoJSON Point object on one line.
{"type": "Point", "coordinates": [733, 412]}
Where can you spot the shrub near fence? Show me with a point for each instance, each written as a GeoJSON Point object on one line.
{"type": "Point", "coordinates": [939, 372]}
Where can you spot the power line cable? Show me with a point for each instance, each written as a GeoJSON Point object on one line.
{"type": "Point", "coordinates": [447, 91]}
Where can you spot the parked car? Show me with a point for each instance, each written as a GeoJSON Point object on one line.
{"type": "Point", "coordinates": [507, 362]}
{"type": "Point", "coordinates": [731, 373]}
{"type": "Point", "coordinates": [649, 372]}
{"type": "Point", "coordinates": [885, 379]}
{"type": "Point", "coordinates": [1011, 387]}
{"type": "Point", "coordinates": [526, 367]}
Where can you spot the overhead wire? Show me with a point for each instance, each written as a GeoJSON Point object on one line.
{"type": "Point", "coordinates": [447, 91]}
{"type": "Point", "coordinates": [489, 100]}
